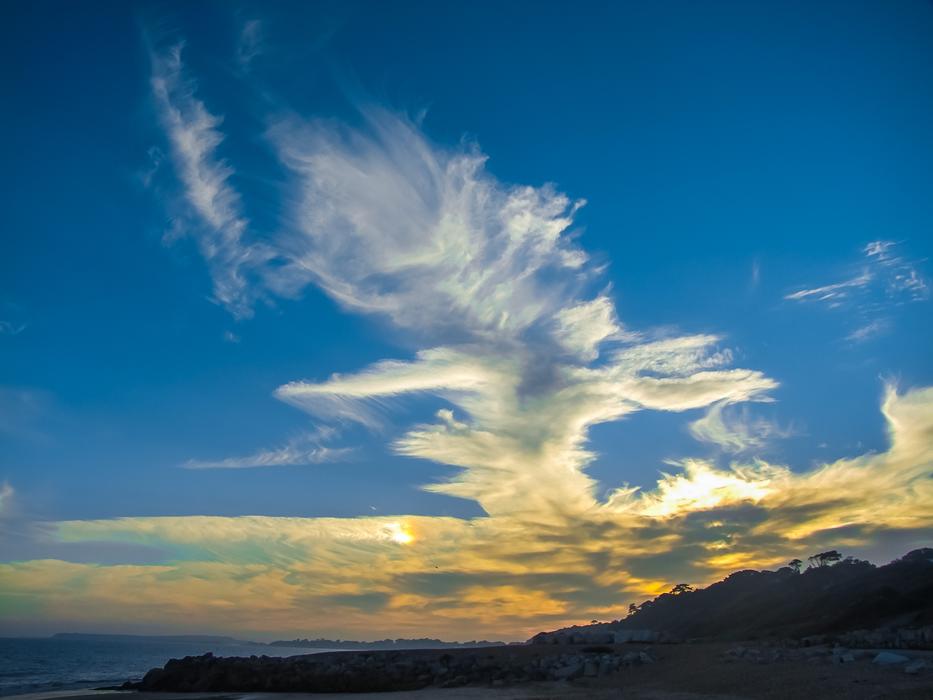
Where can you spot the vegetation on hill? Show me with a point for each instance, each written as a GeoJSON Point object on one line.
{"type": "Point", "coordinates": [831, 595]}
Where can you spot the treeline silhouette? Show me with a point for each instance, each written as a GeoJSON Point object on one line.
{"type": "Point", "coordinates": [831, 595]}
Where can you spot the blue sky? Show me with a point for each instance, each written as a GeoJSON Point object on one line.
{"type": "Point", "coordinates": [755, 172]}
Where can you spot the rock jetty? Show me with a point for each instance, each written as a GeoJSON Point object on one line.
{"type": "Point", "coordinates": [370, 671]}
{"type": "Point", "coordinates": [600, 634]}
{"type": "Point", "coordinates": [825, 654]}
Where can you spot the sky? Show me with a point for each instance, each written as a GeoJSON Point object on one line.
{"type": "Point", "coordinates": [464, 320]}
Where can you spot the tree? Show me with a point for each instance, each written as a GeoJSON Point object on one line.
{"type": "Point", "coordinates": [681, 588]}
{"type": "Point", "coordinates": [824, 559]}
{"type": "Point", "coordinates": [795, 564]}
{"type": "Point", "coordinates": [632, 609]}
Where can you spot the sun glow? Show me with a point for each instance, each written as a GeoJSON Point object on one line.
{"type": "Point", "coordinates": [399, 534]}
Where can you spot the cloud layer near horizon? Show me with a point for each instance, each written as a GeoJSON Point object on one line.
{"type": "Point", "coordinates": [505, 575]}
{"type": "Point", "coordinates": [527, 352]}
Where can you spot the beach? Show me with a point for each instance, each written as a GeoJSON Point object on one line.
{"type": "Point", "coordinates": [679, 672]}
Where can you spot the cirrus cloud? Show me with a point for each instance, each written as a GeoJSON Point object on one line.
{"type": "Point", "coordinates": [521, 341]}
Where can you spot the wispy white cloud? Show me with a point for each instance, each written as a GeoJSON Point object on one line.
{"type": "Point", "coordinates": [6, 499]}
{"type": "Point", "coordinates": [832, 293]}
{"type": "Point", "coordinates": [220, 226]}
{"type": "Point", "coordinates": [870, 330]}
{"type": "Point", "coordinates": [488, 279]}
{"type": "Point", "coordinates": [734, 429]}
{"type": "Point", "coordinates": [581, 329]}
{"type": "Point", "coordinates": [885, 281]}
{"type": "Point", "coordinates": [250, 44]}
{"type": "Point", "coordinates": [875, 491]}
{"type": "Point", "coordinates": [148, 175]}
{"type": "Point", "coordinates": [387, 222]}
{"type": "Point", "coordinates": [10, 328]}
{"type": "Point", "coordinates": [509, 574]}
{"type": "Point", "coordinates": [903, 279]}
{"type": "Point", "coordinates": [520, 436]}
{"type": "Point", "coordinates": [390, 223]}
{"type": "Point", "coordinates": [879, 249]}
{"type": "Point", "coordinates": [303, 450]}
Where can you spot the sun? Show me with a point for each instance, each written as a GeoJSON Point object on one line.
{"type": "Point", "coordinates": [400, 534]}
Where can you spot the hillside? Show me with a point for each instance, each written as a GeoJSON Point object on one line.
{"type": "Point", "coordinates": [824, 599]}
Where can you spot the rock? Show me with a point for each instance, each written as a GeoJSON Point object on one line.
{"type": "Point", "coordinates": [916, 666]}
{"type": "Point", "coordinates": [153, 678]}
{"type": "Point", "coordinates": [888, 658]}
{"type": "Point", "coordinates": [566, 673]}
{"type": "Point", "coordinates": [382, 671]}
{"type": "Point", "coordinates": [455, 682]}
{"type": "Point", "coordinates": [813, 652]}
{"type": "Point", "coordinates": [814, 640]}
{"type": "Point", "coordinates": [644, 636]}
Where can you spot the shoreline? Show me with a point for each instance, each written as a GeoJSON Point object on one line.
{"type": "Point", "coordinates": [691, 671]}
{"type": "Point", "coordinates": [707, 670]}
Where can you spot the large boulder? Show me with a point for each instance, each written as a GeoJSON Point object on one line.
{"type": "Point", "coordinates": [889, 658]}
{"type": "Point", "coordinates": [566, 673]}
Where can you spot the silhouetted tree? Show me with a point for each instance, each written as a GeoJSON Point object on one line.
{"type": "Point", "coordinates": [632, 608]}
{"type": "Point", "coordinates": [853, 561]}
{"type": "Point", "coordinates": [924, 554]}
{"type": "Point", "coordinates": [824, 559]}
{"type": "Point", "coordinates": [681, 588]}
{"type": "Point", "coordinates": [795, 564]}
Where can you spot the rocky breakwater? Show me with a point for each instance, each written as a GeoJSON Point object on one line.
{"type": "Point", "coordinates": [371, 671]}
{"type": "Point", "coordinates": [603, 634]}
{"type": "Point", "coordinates": [825, 654]}
{"type": "Point", "coordinates": [896, 638]}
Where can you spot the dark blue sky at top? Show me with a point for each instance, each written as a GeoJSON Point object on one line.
{"type": "Point", "coordinates": [707, 138]}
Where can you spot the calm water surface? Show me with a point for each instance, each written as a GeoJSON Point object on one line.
{"type": "Point", "coordinates": [38, 665]}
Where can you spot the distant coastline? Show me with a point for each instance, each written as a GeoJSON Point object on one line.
{"type": "Point", "coordinates": [196, 638]}
{"type": "Point", "coordinates": [302, 643]}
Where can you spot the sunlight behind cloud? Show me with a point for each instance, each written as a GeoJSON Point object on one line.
{"type": "Point", "coordinates": [399, 533]}
{"type": "Point", "coordinates": [517, 336]}
{"type": "Point", "coordinates": [507, 575]}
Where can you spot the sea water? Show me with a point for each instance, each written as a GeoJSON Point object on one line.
{"type": "Point", "coordinates": [33, 665]}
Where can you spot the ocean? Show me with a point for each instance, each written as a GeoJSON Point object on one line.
{"type": "Point", "coordinates": [34, 665]}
